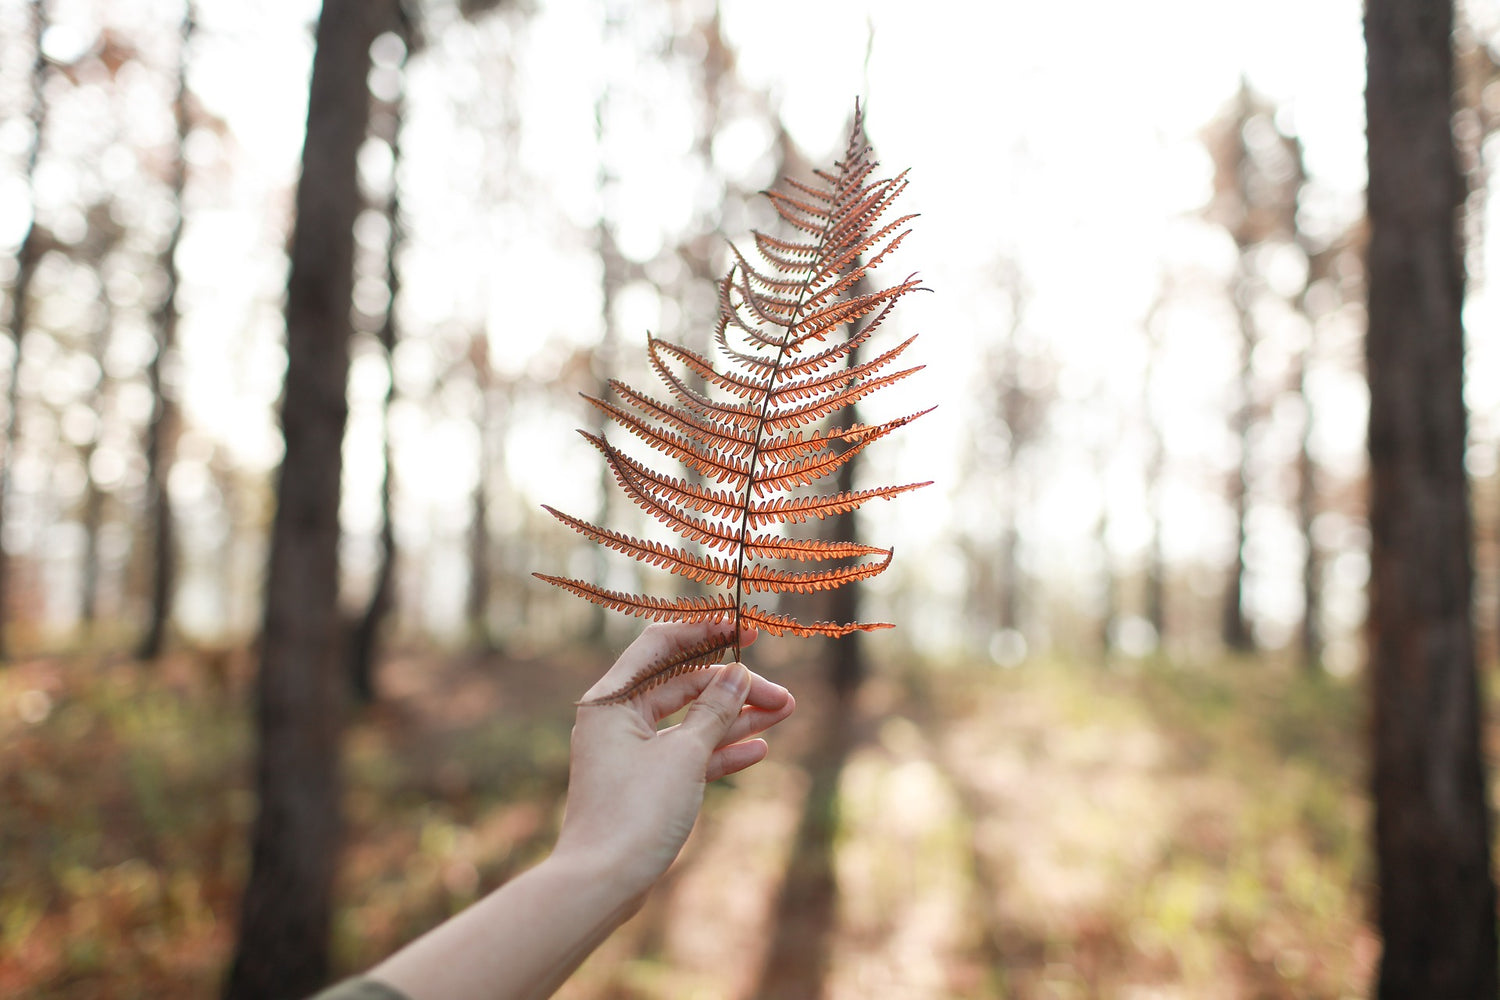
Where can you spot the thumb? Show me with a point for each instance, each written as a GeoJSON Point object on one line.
{"type": "Point", "coordinates": [716, 709]}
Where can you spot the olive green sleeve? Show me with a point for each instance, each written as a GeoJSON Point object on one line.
{"type": "Point", "coordinates": [361, 989]}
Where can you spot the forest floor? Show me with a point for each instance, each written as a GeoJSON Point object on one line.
{"type": "Point", "coordinates": [1048, 831]}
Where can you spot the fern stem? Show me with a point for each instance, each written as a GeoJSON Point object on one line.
{"type": "Point", "coordinates": [854, 153]}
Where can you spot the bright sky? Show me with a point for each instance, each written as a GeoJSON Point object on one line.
{"type": "Point", "coordinates": [1060, 136]}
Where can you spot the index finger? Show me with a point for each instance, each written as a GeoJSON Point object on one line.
{"type": "Point", "coordinates": [655, 645]}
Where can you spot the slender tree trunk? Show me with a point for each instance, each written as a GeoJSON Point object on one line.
{"type": "Point", "coordinates": [1311, 633]}
{"type": "Point", "coordinates": [1432, 818]}
{"type": "Point", "coordinates": [27, 258]}
{"type": "Point", "coordinates": [1008, 601]}
{"type": "Point", "coordinates": [1234, 629]}
{"type": "Point", "coordinates": [477, 603]}
{"type": "Point", "coordinates": [1015, 406]}
{"type": "Point", "coordinates": [160, 431]}
{"type": "Point", "coordinates": [846, 663]}
{"type": "Point", "coordinates": [1156, 470]}
{"type": "Point", "coordinates": [1108, 585]}
{"type": "Point", "coordinates": [1156, 570]}
{"type": "Point", "coordinates": [364, 641]}
{"type": "Point", "coordinates": [92, 519]}
{"type": "Point", "coordinates": [611, 279]}
{"type": "Point", "coordinates": [282, 951]}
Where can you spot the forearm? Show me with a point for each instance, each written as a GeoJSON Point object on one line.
{"type": "Point", "coordinates": [519, 942]}
{"type": "Point", "coordinates": [634, 791]}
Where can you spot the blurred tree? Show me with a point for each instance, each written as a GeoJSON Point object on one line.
{"type": "Point", "coordinates": [477, 600]}
{"type": "Point", "coordinates": [1323, 264]}
{"type": "Point", "coordinates": [1156, 471]}
{"type": "Point", "coordinates": [365, 636]}
{"type": "Point", "coordinates": [1310, 634]}
{"type": "Point", "coordinates": [282, 949]}
{"type": "Point", "coordinates": [1021, 411]}
{"type": "Point", "coordinates": [1109, 585]}
{"type": "Point", "coordinates": [161, 427]}
{"type": "Point", "coordinates": [612, 278]}
{"type": "Point", "coordinates": [1016, 380]}
{"type": "Point", "coordinates": [500, 186]}
{"type": "Point", "coordinates": [104, 234]}
{"type": "Point", "coordinates": [1432, 817]}
{"type": "Point", "coordinates": [27, 257]}
{"type": "Point", "coordinates": [1257, 176]}
{"type": "Point", "coordinates": [1476, 121]}
{"type": "Point", "coordinates": [845, 663]}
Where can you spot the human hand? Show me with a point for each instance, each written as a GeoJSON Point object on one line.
{"type": "Point", "coordinates": [633, 791]}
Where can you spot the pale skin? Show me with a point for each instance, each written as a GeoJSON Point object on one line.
{"type": "Point", "coordinates": [633, 795]}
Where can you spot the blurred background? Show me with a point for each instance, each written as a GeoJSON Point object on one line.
{"type": "Point", "coordinates": [1112, 747]}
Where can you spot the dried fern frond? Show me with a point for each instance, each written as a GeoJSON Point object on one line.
{"type": "Point", "coordinates": [756, 433]}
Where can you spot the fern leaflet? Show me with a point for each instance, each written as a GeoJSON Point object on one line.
{"type": "Point", "coordinates": [757, 430]}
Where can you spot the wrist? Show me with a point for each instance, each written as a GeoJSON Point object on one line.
{"type": "Point", "coordinates": [613, 885]}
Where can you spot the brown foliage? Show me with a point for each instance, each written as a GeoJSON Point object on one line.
{"type": "Point", "coordinates": [757, 431]}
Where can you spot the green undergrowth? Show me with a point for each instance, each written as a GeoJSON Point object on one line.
{"type": "Point", "coordinates": [1220, 811]}
{"type": "Point", "coordinates": [125, 806]}
{"type": "Point", "coordinates": [1153, 829]}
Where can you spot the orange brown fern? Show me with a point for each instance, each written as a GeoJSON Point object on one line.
{"type": "Point", "coordinates": [754, 434]}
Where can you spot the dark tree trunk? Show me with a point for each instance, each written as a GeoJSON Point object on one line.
{"type": "Point", "coordinates": [20, 293]}
{"type": "Point", "coordinates": [1432, 821]}
{"type": "Point", "coordinates": [282, 951]}
{"type": "Point", "coordinates": [364, 640]}
{"type": "Point", "coordinates": [477, 603]}
{"type": "Point", "coordinates": [92, 521]}
{"type": "Point", "coordinates": [1234, 630]}
{"type": "Point", "coordinates": [1311, 636]}
{"type": "Point", "coordinates": [846, 664]}
{"type": "Point", "coordinates": [160, 431]}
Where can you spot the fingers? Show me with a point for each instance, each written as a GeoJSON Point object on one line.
{"type": "Point", "coordinates": [736, 757]}
{"type": "Point", "coordinates": [767, 695]}
{"type": "Point", "coordinates": [757, 719]}
{"type": "Point", "coordinates": [717, 709]}
{"type": "Point", "coordinates": [655, 643]}
{"type": "Point", "coordinates": [660, 702]}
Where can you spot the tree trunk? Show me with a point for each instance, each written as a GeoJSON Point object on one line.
{"type": "Point", "coordinates": [364, 641]}
{"type": "Point", "coordinates": [1234, 629]}
{"type": "Point", "coordinates": [477, 600]}
{"type": "Point", "coordinates": [1156, 474]}
{"type": "Point", "coordinates": [1311, 634]}
{"type": "Point", "coordinates": [1109, 596]}
{"type": "Point", "coordinates": [611, 280]}
{"type": "Point", "coordinates": [161, 428]}
{"type": "Point", "coordinates": [1432, 822]}
{"type": "Point", "coordinates": [26, 261]}
{"type": "Point", "coordinates": [282, 951]}
{"type": "Point", "coordinates": [846, 663]}
{"type": "Point", "coordinates": [1010, 585]}
{"type": "Point", "coordinates": [91, 518]}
